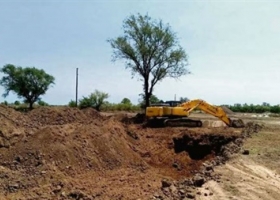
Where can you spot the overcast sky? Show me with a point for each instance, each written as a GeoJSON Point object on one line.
{"type": "Point", "coordinates": [233, 47]}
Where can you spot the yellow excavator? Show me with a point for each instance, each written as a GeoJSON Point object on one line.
{"type": "Point", "coordinates": [175, 113]}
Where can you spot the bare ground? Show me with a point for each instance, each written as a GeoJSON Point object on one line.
{"type": "Point", "coordinates": [253, 176]}
{"type": "Point", "coordinates": [242, 179]}
{"type": "Point", "coordinates": [64, 153]}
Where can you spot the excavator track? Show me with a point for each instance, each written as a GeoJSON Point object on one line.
{"type": "Point", "coordinates": [183, 122]}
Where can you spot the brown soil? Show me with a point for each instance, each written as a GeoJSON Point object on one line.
{"type": "Point", "coordinates": [67, 153]}
{"type": "Point", "coordinates": [227, 110]}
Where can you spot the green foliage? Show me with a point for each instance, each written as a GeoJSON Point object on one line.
{"type": "Point", "coordinates": [184, 99]}
{"type": "Point", "coordinates": [124, 105]}
{"type": "Point", "coordinates": [42, 103]}
{"type": "Point", "coordinates": [245, 108]}
{"type": "Point", "coordinates": [5, 103]}
{"type": "Point", "coordinates": [275, 109]}
{"type": "Point", "coordinates": [126, 101]}
{"type": "Point", "coordinates": [94, 100]}
{"type": "Point", "coordinates": [72, 104]}
{"type": "Point", "coordinates": [153, 99]}
{"type": "Point", "coordinates": [22, 108]}
{"type": "Point", "coordinates": [17, 103]}
{"type": "Point", "coordinates": [151, 51]}
{"type": "Point", "coordinates": [28, 83]}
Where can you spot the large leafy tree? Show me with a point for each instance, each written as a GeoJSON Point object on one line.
{"type": "Point", "coordinates": [28, 83]}
{"type": "Point", "coordinates": [126, 101]}
{"type": "Point", "coordinates": [151, 51]}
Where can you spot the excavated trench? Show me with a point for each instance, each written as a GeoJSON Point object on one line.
{"type": "Point", "coordinates": [211, 148]}
{"type": "Point", "coordinates": [199, 147]}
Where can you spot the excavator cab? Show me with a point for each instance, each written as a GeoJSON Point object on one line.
{"type": "Point", "coordinates": [166, 103]}
{"type": "Point", "coordinates": [173, 103]}
{"type": "Point", "coordinates": [170, 113]}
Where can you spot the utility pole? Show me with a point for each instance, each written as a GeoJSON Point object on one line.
{"type": "Point", "coordinates": [77, 87]}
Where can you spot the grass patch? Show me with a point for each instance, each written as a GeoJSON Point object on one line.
{"type": "Point", "coordinates": [264, 148]}
{"type": "Point", "coordinates": [231, 189]}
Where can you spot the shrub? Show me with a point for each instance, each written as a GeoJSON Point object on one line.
{"type": "Point", "coordinates": [42, 103]}
{"type": "Point", "coordinates": [72, 104]}
{"type": "Point", "coordinates": [94, 100]}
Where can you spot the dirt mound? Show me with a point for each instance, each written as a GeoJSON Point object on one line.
{"type": "Point", "coordinates": [78, 147]}
{"type": "Point", "coordinates": [227, 110]}
{"type": "Point", "coordinates": [11, 114]}
{"type": "Point", "coordinates": [139, 118]}
{"type": "Point", "coordinates": [61, 115]}
{"type": "Point", "coordinates": [10, 117]}
{"type": "Point", "coordinates": [12, 126]}
{"type": "Point", "coordinates": [67, 153]}
{"type": "Point", "coordinates": [91, 113]}
{"type": "Point", "coordinates": [61, 151]}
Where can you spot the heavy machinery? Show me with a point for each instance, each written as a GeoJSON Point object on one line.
{"type": "Point", "coordinates": [175, 113]}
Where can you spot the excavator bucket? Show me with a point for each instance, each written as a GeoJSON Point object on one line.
{"type": "Point", "coordinates": [237, 123]}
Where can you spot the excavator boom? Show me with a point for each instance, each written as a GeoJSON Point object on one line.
{"type": "Point", "coordinates": [212, 110]}
{"type": "Point", "coordinates": [208, 108]}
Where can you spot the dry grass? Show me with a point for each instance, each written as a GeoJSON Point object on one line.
{"type": "Point", "coordinates": [265, 147]}
{"type": "Point", "coordinates": [231, 189]}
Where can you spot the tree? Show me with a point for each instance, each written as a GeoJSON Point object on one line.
{"type": "Point", "coordinates": [184, 99]}
{"type": "Point", "coordinates": [275, 109]}
{"type": "Point", "coordinates": [126, 101]}
{"type": "Point", "coordinates": [5, 103]}
{"type": "Point", "coordinates": [28, 83]}
{"type": "Point", "coordinates": [153, 100]}
{"type": "Point", "coordinates": [17, 103]}
{"type": "Point", "coordinates": [94, 100]}
{"type": "Point", "coordinates": [151, 51]}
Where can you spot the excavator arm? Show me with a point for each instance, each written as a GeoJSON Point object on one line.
{"type": "Point", "coordinates": [212, 110]}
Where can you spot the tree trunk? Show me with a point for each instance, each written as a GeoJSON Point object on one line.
{"type": "Point", "coordinates": [147, 99]}
{"type": "Point", "coordinates": [31, 105]}
{"type": "Point", "coordinates": [97, 108]}
{"type": "Point", "coordinates": [147, 94]}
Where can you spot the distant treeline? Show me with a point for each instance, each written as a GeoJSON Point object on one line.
{"type": "Point", "coordinates": [246, 108]}
{"type": "Point", "coordinates": [127, 105]}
